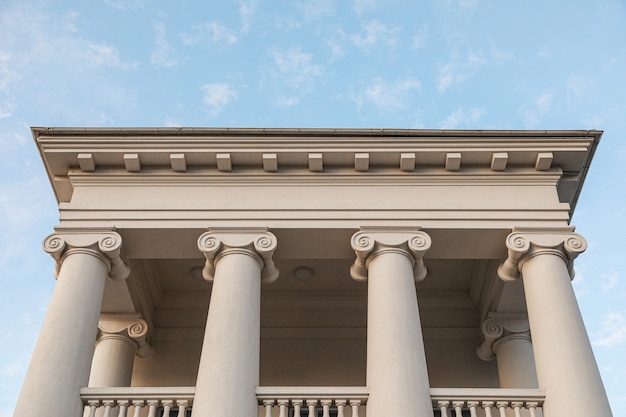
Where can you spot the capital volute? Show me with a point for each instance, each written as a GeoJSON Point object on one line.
{"type": "Point", "coordinates": [369, 242]}
{"type": "Point", "coordinates": [129, 327]}
{"type": "Point", "coordinates": [499, 327]}
{"type": "Point", "coordinates": [258, 243]}
{"type": "Point", "coordinates": [105, 245]}
{"type": "Point", "coordinates": [525, 243]}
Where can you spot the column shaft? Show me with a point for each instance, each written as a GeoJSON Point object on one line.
{"type": "Point", "coordinates": [121, 337]}
{"type": "Point", "coordinates": [229, 365]}
{"type": "Point", "coordinates": [113, 362]}
{"type": "Point", "coordinates": [516, 363]}
{"type": "Point", "coordinates": [396, 364]}
{"type": "Point", "coordinates": [566, 367]}
{"type": "Point", "coordinates": [62, 357]}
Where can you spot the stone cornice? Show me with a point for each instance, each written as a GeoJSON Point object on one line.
{"type": "Point", "coordinates": [104, 244]}
{"type": "Point", "coordinates": [129, 327]}
{"type": "Point", "coordinates": [258, 243]}
{"type": "Point", "coordinates": [315, 152]}
{"type": "Point", "coordinates": [370, 242]}
{"type": "Point", "coordinates": [524, 243]}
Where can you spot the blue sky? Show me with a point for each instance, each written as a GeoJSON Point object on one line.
{"type": "Point", "coordinates": [471, 64]}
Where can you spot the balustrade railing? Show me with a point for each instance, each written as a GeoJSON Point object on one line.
{"type": "Point", "coordinates": [155, 401]}
{"type": "Point", "coordinates": [310, 402]}
{"type": "Point", "coordinates": [488, 402]}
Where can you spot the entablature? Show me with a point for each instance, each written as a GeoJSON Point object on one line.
{"type": "Point", "coordinates": [261, 157]}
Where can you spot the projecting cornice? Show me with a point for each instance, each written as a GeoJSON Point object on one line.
{"type": "Point", "coordinates": [299, 154]}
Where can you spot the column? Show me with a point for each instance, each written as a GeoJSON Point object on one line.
{"type": "Point", "coordinates": [507, 338]}
{"type": "Point", "coordinates": [566, 367]}
{"type": "Point", "coordinates": [120, 338]}
{"type": "Point", "coordinates": [397, 378]}
{"type": "Point", "coordinates": [237, 261]}
{"type": "Point", "coordinates": [62, 357]}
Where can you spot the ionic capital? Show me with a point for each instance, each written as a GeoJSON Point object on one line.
{"type": "Point", "coordinates": [498, 328]}
{"type": "Point", "coordinates": [525, 243]}
{"type": "Point", "coordinates": [369, 243]}
{"type": "Point", "coordinates": [104, 245]}
{"type": "Point", "coordinates": [258, 243]}
{"type": "Point", "coordinates": [129, 327]}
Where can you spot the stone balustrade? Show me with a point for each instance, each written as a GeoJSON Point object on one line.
{"type": "Point", "coordinates": [118, 401]}
{"type": "Point", "coordinates": [488, 402]}
{"type": "Point", "coordinates": [344, 401]}
{"type": "Point", "coordinates": [311, 401]}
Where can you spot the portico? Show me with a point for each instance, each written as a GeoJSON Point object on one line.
{"type": "Point", "coordinates": [399, 255]}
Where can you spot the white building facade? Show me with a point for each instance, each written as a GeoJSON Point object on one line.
{"type": "Point", "coordinates": [314, 272]}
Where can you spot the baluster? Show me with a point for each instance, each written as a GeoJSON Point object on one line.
{"type": "Point", "coordinates": [326, 407]}
{"type": "Point", "coordinates": [458, 408]}
{"type": "Point", "coordinates": [487, 406]}
{"type": "Point", "coordinates": [531, 407]}
{"type": "Point", "coordinates": [152, 407]}
{"type": "Point", "coordinates": [443, 407]}
{"type": "Point", "coordinates": [472, 405]}
{"type": "Point", "coordinates": [123, 404]}
{"type": "Point", "coordinates": [182, 405]}
{"type": "Point", "coordinates": [138, 406]}
{"type": "Point", "coordinates": [108, 405]}
{"type": "Point", "coordinates": [340, 405]}
{"type": "Point", "coordinates": [355, 404]}
{"type": "Point", "coordinates": [167, 406]}
{"type": "Point", "coordinates": [311, 403]}
{"type": "Point", "coordinates": [268, 407]}
{"type": "Point", "coordinates": [502, 406]}
{"type": "Point", "coordinates": [517, 406]}
{"type": "Point", "coordinates": [93, 406]}
{"type": "Point", "coordinates": [283, 407]}
{"type": "Point", "coordinates": [297, 406]}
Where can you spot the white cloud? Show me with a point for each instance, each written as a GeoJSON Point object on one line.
{"type": "Point", "coordinates": [247, 12]}
{"type": "Point", "coordinates": [460, 6]}
{"type": "Point", "coordinates": [362, 6]}
{"type": "Point", "coordinates": [612, 331]}
{"type": "Point", "coordinates": [541, 105]}
{"type": "Point", "coordinates": [212, 31]}
{"type": "Point", "coordinates": [217, 96]}
{"type": "Point", "coordinates": [388, 95]}
{"type": "Point", "coordinates": [579, 86]}
{"type": "Point", "coordinates": [420, 38]}
{"type": "Point", "coordinates": [105, 55]}
{"type": "Point", "coordinates": [161, 54]}
{"type": "Point", "coordinates": [458, 69]}
{"type": "Point", "coordinates": [609, 280]}
{"type": "Point", "coordinates": [316, 9]}
{"type": "Point", "coordinates": [293, 74]}
{"type": "Point", "coordinates": [462, 118]}
{"type": "Point", "coordinates": [6, 110]}
{"type": "Point", "coordinates": [375, 33]}
{"type": "Point", "coordinates": [498, 55]}
{"type": "Point", "coordinates": [336, 44]}
{"type": "Point", "coordinates": [125, 4]}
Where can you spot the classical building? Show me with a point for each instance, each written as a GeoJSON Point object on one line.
{"type": "Point", "coordinates": [422, 272]}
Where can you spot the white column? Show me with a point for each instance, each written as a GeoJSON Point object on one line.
{"type": "Point", "coordinates": [397, 378]}
{"type": "Point", "coordinates": [62, 357]}
{"type": "Point", "coordinates": [566, 367]}
{"type": "Point", "coordinates": [237, 261]}
{"type": "Point", "coordinates": [507, 338]}
{"type": "Point", "coordinates": [120, 337]}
